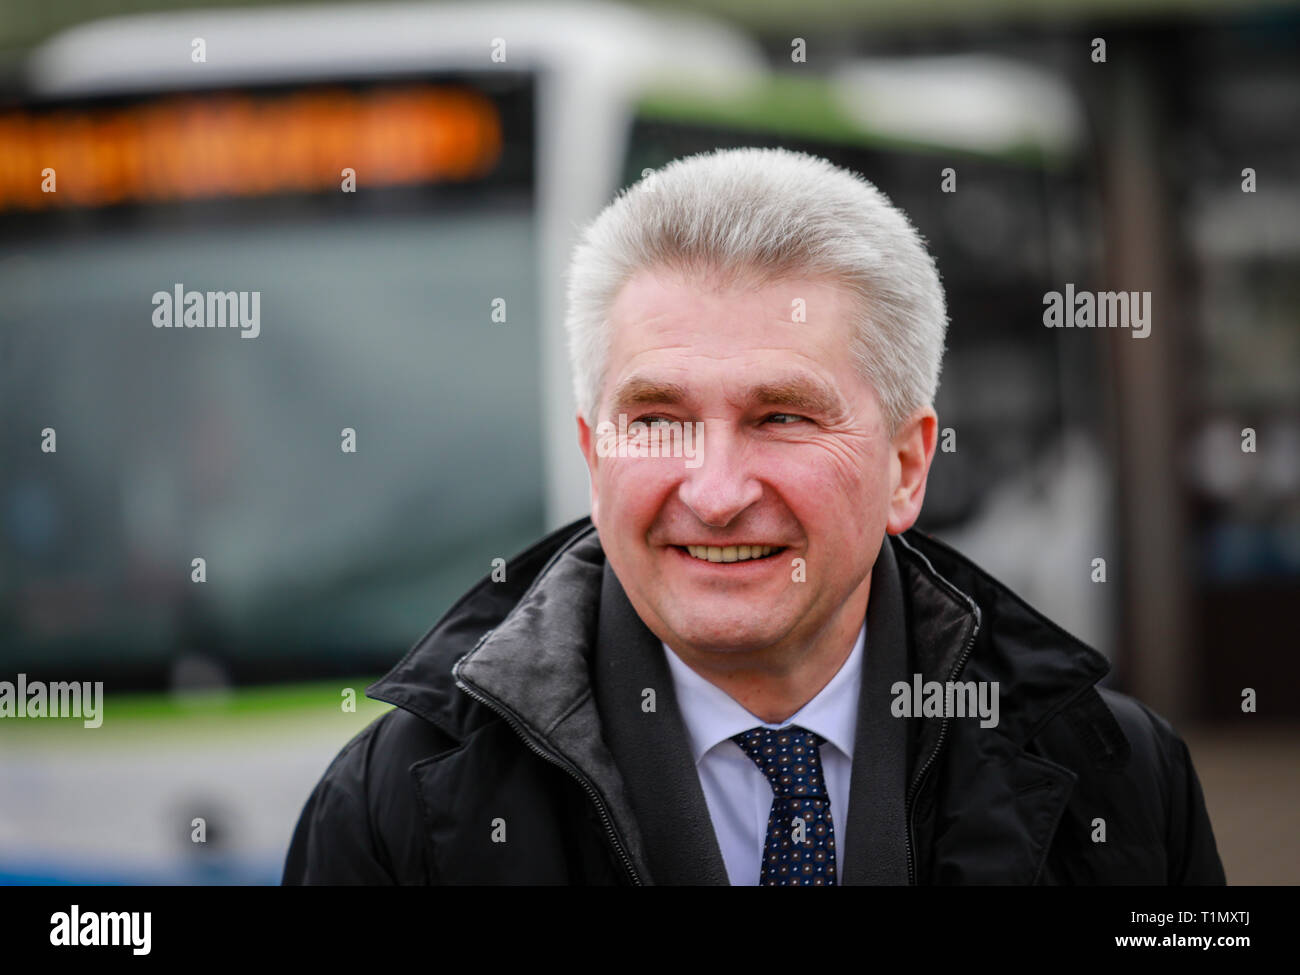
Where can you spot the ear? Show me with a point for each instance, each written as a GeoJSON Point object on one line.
{"type": "Point", "coordinates": [911, 452]}
{"type": "Point", "coordinates": [587, 443]}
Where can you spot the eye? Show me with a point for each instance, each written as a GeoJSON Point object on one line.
{"type": "Point", "coordinates": [651, 420]}
{"type": "Point", "coordinates": [784, 419]}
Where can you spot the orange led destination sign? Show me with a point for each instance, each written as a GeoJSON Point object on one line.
{"type": "Point", "coordinates": [194, 147]}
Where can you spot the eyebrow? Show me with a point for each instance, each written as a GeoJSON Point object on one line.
{"type": "Point", "coordinates": [801, 393]}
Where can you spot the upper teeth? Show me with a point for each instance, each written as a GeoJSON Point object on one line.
{"type": "Point", "coordinates": [731, 553]}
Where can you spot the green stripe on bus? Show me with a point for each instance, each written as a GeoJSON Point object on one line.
{"type": "Point", "coordinates": [264, 699]}
{"type": "Point", "coordinates": [302, 704]}
{"type": "Point", "coordinates": [806, 108]}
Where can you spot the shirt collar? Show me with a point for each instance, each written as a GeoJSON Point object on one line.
{"type": "Point", "coordinates": [713, 716]}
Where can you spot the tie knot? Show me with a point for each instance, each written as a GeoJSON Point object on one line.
{"type": "Point", "coordinates": [789, 757]}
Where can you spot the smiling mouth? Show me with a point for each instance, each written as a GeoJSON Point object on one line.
{"type": "Point", "coordinates": [731, 553]}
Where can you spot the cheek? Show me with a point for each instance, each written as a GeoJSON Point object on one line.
{"type": "Point", "coordinates": [632, 491]}
{"type": "Point", "coordinates": [828, 485]}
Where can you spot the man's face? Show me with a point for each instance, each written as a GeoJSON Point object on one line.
{"type": "Point", "coordinates": [795, 455]}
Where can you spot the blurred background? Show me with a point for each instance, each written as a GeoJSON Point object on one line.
{"type": "Point", "coordinates": [203, 145]}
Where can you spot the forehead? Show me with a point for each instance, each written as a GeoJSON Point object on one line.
{"type": "Point", "coordinates": [662, 313]}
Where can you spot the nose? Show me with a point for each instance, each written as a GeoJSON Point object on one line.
{"type": "Point", "coordinates": [722, 486]}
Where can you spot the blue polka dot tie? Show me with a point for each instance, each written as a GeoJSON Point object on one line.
{"type": "Point", "coordinates": [800, 846]}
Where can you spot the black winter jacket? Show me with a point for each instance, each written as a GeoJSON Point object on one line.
{"type": "Point", "coordinates": [496, 765]}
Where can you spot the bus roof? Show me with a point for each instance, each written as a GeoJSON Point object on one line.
{"type": "Point", "coordinates": [630, 47]}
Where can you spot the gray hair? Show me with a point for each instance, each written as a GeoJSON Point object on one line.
{"type": "Point", "coordinates": [767, 214]}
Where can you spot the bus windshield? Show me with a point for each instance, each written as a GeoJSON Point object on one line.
{"type": "Point", "coordinates": [295, 497]}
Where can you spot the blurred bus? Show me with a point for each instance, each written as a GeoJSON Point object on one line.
{"type": "Point", "coordinates": [402, 186]}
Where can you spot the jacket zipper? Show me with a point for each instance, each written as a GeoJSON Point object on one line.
{"type": "Point", "coordinates": [938, 747]}
{"type": "Point", "coordinates": [554, 759]}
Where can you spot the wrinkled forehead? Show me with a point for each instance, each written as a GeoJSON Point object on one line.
{"type": "Point", "coordinates": [786, 341]}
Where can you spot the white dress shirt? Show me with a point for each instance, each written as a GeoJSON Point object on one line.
{"type": "Point", "coordinates": [738, 795]}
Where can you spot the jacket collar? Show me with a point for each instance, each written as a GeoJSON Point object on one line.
{"type": "Point", "coordinates": [422, 681]}
{"type": "Point", "coordinates": [1040, 667]}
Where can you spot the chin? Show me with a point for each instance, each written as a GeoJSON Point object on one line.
{"type": "Point", "coordinates": [726, 639]}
